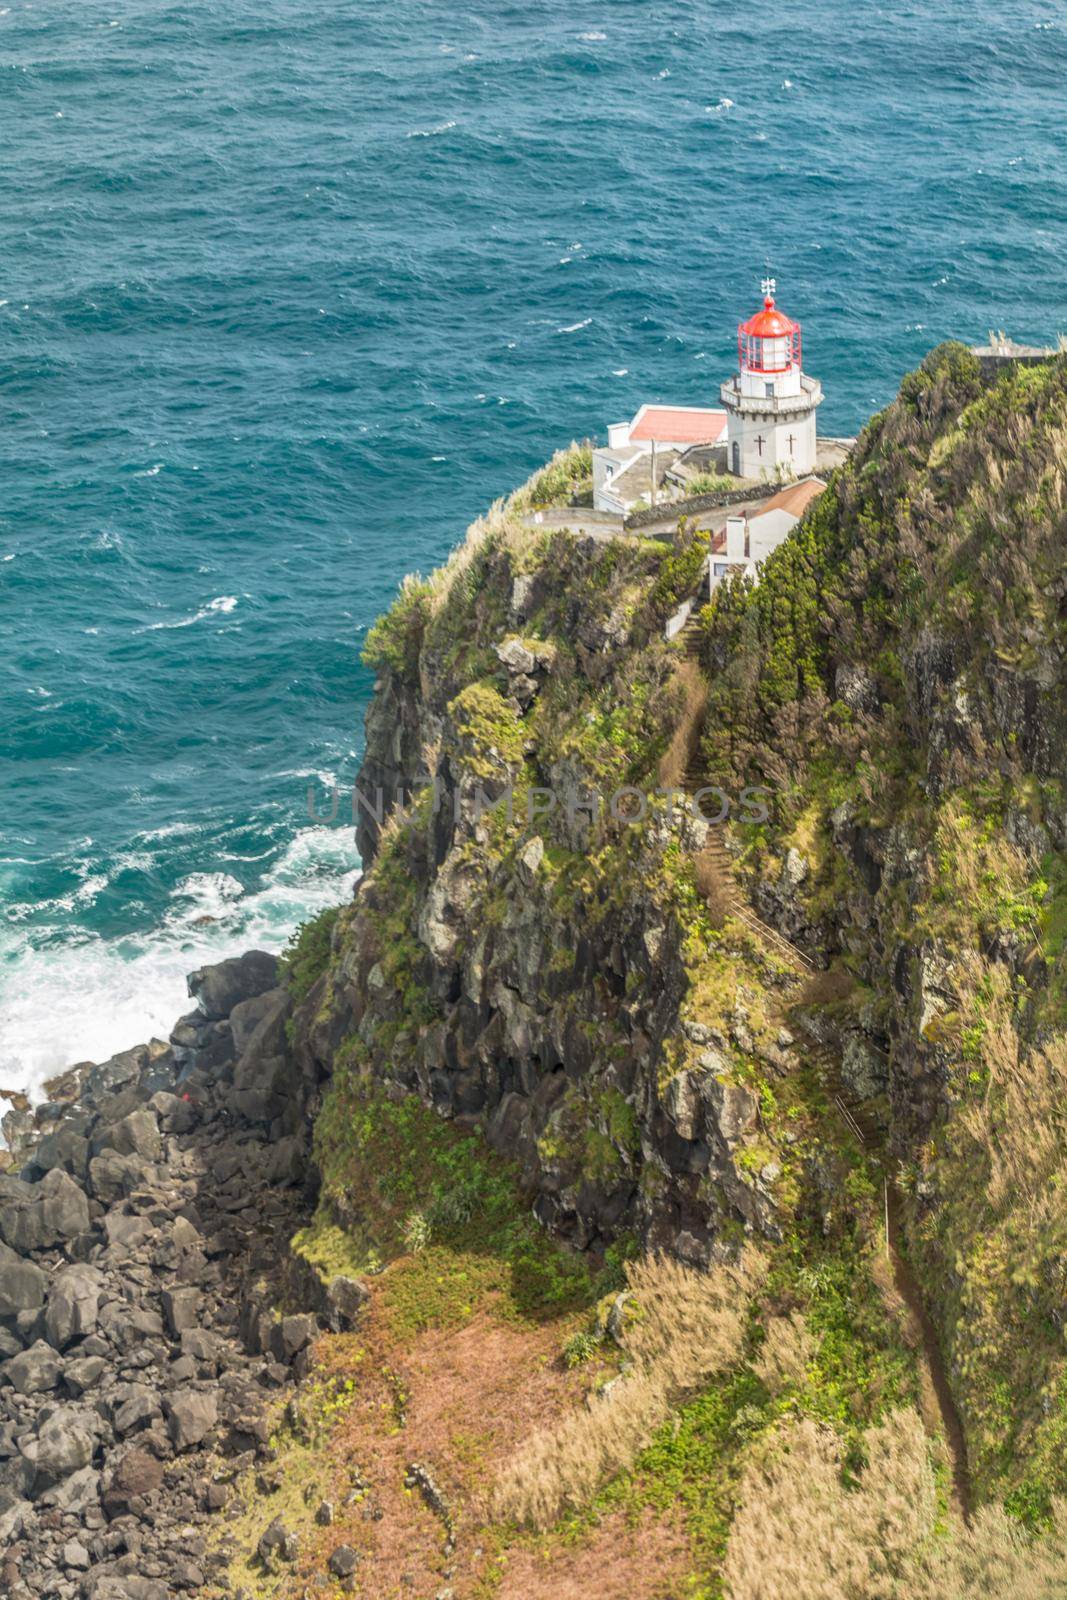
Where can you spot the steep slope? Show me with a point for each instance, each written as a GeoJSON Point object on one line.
{"type": "Point", "coordinates": [898, 680]}
{"type": "Point", "coordinates": [746, 1046]}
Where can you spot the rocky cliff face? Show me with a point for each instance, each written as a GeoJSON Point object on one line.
{"type": "Point", "coordinates": [562, 978]}
{"type": "Point", "coordinates": [520, 953]}
{"type": "Point", "coordinates": [560, 989]}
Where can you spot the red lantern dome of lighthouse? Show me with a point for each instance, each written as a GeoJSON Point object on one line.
{"type": "Point", "coordinates": [769, 341]}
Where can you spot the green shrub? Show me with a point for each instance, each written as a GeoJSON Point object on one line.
{"type": "Point", "coordinates": [710, 483]}
{"type": "Point", "coordinates": [475, 1235]}
{"type": "Point", "coordinates": [307, 955]}
{"type": "Point", "coordinates": [393, 641]}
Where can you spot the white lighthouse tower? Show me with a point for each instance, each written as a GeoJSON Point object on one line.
{"type": "Point", "coordinates": [771, 402]}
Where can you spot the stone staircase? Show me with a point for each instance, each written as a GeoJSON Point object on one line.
{"type": "Point", "coordinates": [739, 907]}
{"type": "Point", "coordinates": [691, 638]}
{"type": "Point", "coordinates": [856, 1114]}
{"type": "Point", "coordinates": [694, 779]}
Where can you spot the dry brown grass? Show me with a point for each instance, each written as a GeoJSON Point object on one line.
{"type": "Point", "coordinates": [692, 688]}
{"type": "Point", "coordinates": [799, 1532]}
{"type": "Point", "coordinates": [1020, 1124]}
{"type": "Point", "coordinates": [687, 1325]}
{"type": "Point", "coordinates": [996, 1559]}
{"type": "Point", "coordinates": [715, 886]}
{"type": "Point", "coordinates": [829, 988]}
{"type": "Point", "coordinates": [787, 1353]}
{"type": "Point", "coordinates": [502, 523]}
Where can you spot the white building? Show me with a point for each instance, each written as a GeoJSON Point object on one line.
{"type": "Point", "coordinates": [639, 454]}
{"type": "Point", "coordinates": [771, 402]}
{"type": "Point", "coordinates": [749, 537]}
{"type": "Point", "coordinates": [766, 433]}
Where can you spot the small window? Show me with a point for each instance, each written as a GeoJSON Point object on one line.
{"type": "Point", "coordinates": [768, 389]}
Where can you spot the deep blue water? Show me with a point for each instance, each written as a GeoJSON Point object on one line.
{"type": "Point", "coordinates": [288, 293]}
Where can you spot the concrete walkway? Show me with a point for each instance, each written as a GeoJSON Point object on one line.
{"type": "Point", "coordinates": [606, 525]}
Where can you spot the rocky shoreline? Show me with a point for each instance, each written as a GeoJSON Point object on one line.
{"type": "Point", "coordinates": [145, 1218]}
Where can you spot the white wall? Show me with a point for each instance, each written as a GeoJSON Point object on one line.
{"type": "Point", "coordinates": [780, 384]}
{"type": "Point", "coordinates": [774, 458]}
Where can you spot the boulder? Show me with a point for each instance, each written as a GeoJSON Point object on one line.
{"type": "Point", "coordinates": [181, 1310]}
{"type": "Point", "coordinates": [63, 1445]}
{"type": "Point", "coordinates": [343, 1562]}
{"type": "Point", "coordinates": [262, 1086]}
{"type": "Point", "coordinates": [126, 1234]}
{"type": "Point", "coordinates": [33, 1371]}
{"type": "Point", "coordinates": [139, 1407]}
{"type": "Point", "coordinates": [277, 1544]}
{"type": "Point", "coordinates": [516, 657]}
{"type": "Point", "coordinates": [136, 1134]}
{"type": "Point", "coordinates": [292, 1334]}
{"type": "Point", "coordinates": [113, 1176]}
{"type": "Point", "coordinates": [67, 1147]}
{"type": "Point", "coordinates": [176, 1113]}
{"type": "Point", "coordinates": [73, 1303]}
{"type": "Point", "coordinates": [286, 1162]}
{"type": "Point", "coordinates": [246, 1017]}
{"type": "Point", "coordinates": [53, 1211]}
{"type": "Point", "coordinates": [84, 1373]}
{"type": "Point", "coordinates": [219, 988]}
{"type": "Point", "coordinates": [109, 1586]}
{"type": "Point", "coordinates": [344, 1301]}
{"type": "Point", "coordinates": [75, 1556]}
{"type": "Point", "coordinates": [15, 1514]}
{"type": "Point", "coordinates": [138, 1475]}
{"type": "Point", "coordinates": [22, 1285]}
{"type": "Point", "coordinates": [191, 1415]}
{"type": "Point", "coordinates": [76, 1494]}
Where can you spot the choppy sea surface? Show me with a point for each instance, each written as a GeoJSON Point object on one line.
{"type": "Point", "coordinates": [288, 293]}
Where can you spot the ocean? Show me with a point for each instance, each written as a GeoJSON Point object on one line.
{"type": "Point", "coordinates": [289, 293]}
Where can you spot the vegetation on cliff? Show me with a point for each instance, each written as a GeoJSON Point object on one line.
{"type": "Point", "coordinates": [560, 1049]}
{"type": "Point", "coordinates": [897, 678]}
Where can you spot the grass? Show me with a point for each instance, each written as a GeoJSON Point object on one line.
{"type": "Point", "coordinates": [711, 483]}
{"type": "Point", "coordinates": [307, 954]}
{"type": "Point", "coordinates": [683, 1326]}
{"type": "Point", "coordinates": [300, 1474]}
{"type": "Point", "coordinates": [395, 1160]}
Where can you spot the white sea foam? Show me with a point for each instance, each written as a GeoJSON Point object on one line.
{"type": "Point", "coordinates": [575, 327]}
{"type": "Point", "coordinates": [593, 37]}
{"type": "Point", "coordinates": [723, 105]}
{"type": "Point", "coordinates": [429, 133]}
{"type": "Point", "coordinates": [222, 605]}
{"type": "Point", "coordinates": [83, 998]}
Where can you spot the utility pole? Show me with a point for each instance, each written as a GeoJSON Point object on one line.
{"type": "Point", "coordinates": [652, 493]}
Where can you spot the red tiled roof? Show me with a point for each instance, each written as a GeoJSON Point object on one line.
{"type": "Point", "coordinates": [678, 425]}
{"type": "Point", "coordinates": [796, 499]}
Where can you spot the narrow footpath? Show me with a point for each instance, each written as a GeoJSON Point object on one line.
{"type": "Point", "coordinates": [937, 1402]}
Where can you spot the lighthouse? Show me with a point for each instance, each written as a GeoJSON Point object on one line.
{"type": "Point", "coordinates": [771, 402]}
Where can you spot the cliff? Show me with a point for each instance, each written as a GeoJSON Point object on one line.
{"type": "Point", "coordinates": [652, 1182]}
{"type": "Point", "coordinates": [587, 987]}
